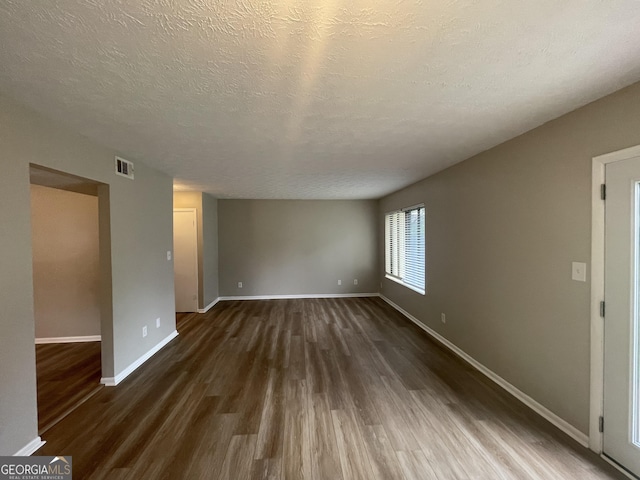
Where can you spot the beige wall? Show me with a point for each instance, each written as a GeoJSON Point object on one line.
{"type": "Point", "coordinates": [207, 213]}
{"type": "Point", "coordinates": [138, 220]}
{"type": "Point", "coordinates": [287, 247]}
{"type": "Point", "coordinates": [502, 230]}
{"type": "Point", "coordinates": [66, 274]}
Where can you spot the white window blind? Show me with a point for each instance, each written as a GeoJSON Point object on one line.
{"type": "Point", "coordinates": [405, 247]}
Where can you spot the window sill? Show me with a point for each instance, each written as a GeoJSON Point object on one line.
{"type": "Point", "coordinates": [410, 287]}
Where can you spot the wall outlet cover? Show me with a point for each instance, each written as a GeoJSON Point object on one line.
{"type": "Point", "coordinates": [579, 271]}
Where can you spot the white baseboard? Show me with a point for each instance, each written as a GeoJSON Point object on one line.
{"type": "Point", "coordinates": [113, 381]}
{"type": "Point", "coordinates": [209, 307]}
{"type": "Point", "coordinates": [86, 338]}
{"type": "Point", "coordinates": [304, 295]}
{"type": "Point", "coordinates": [562, 424]}
{"type": "Point", "coordinates": [30, 448]}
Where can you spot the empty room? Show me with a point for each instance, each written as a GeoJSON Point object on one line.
{"type": "Point", "coordinates": [320, 240]}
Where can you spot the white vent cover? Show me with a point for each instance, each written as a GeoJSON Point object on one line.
{"type": "Point", "coordinates": [124, 168]}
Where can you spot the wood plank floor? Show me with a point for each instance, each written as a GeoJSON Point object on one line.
{"type": "Point", "coordinates": [311, 389]}
{"type": "Point", "coordinates": [67, 374]}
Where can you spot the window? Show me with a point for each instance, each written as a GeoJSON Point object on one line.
{"type": "Point", "coordinates": [405, 247]}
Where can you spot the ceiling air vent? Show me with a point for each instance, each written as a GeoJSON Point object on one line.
{"type": "Point", "coordinates": [124, 168]}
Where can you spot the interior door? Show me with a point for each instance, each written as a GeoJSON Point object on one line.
{"type": "Point", "coordinates": [185, 259]}
{"type": "Point", "coordinates": [621, 345]}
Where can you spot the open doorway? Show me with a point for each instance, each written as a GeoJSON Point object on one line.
{"type": "Point", "coordinates": [185, 261]}
{"type": "Point", "coordinates": [65, 220]}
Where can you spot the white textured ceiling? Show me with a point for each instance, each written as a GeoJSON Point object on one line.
{"type": "Point", "coordinates": [311, 99]}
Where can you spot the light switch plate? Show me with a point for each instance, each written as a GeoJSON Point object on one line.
{"type": "Point", "coordinates": [579, 271]}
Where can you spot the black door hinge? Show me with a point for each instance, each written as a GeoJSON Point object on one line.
{"type": "Point", "coordinates": [602, 309]}
{"type": "Point", "coordinates": [601, 424]}
{"type": "Point", "coordinates": [603, 191]}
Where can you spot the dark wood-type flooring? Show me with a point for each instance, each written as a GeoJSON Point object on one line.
{"type": "Point", "coordinates": [67, 375]}
{"type": "Point", "coordinates": [311, 389]}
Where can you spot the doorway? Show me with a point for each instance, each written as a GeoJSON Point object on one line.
{"type": "Point", "coordinates": [67, 277]}
{"type": "Point", "coordinates": [616, 337]}
{"type": "Point", "coordinates": [185, 262]}
{"type": "Point", "coordinates": [621, 437]}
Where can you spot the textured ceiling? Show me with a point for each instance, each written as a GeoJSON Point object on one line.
{"type": "Point", "coordinates": [311, 99]}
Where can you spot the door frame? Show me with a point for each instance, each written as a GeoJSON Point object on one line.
{"type": "Point", "coordinates": [596, 403]}
{"type": "Point", "coordinates": [197, 259]}
{"type": "Point", "coordinates": [102, 190]}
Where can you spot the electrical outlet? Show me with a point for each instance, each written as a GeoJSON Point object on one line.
{"type": "Point", "coordinates": [339, 282]}
{"type": "Point", "coordinates": [144, 331]}
{"type": "Point", "coordinates": [239, 284]}
{"type": "Point", "coordinates": [443, 317]}
{"type": "Point", "coordinates": [168, 255]}
{"type": "Point", "coordinates": [355, 281]}
{"type": "Point", "coordinates": [157, 323]}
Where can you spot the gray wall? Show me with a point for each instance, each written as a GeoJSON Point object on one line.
{"type": "Point", "coordinates": [502, 230]}
{"type": "Point", "coordinates": [207, 213]}
{"type": "Point", "coordinates": [211, 290]}
{"type": "Point", "coordinates": [66, 273]}
{"type": "Point", "coordinates": [139, 215]}
{"type": "Point", "coordinates": [278, 247]}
